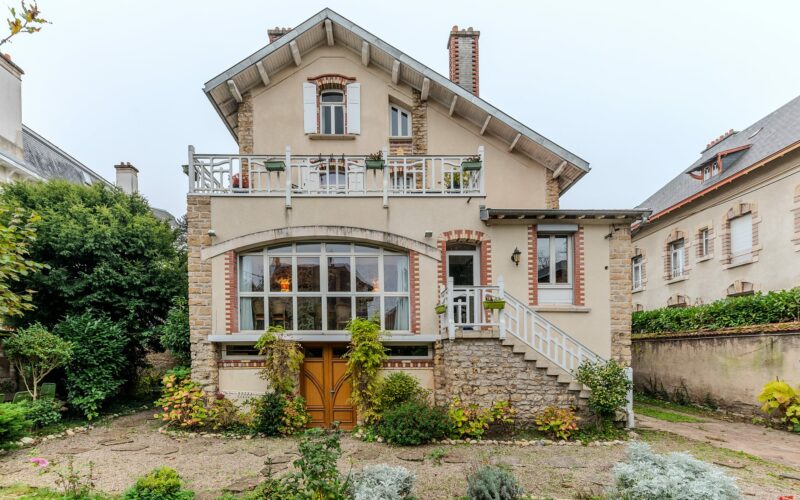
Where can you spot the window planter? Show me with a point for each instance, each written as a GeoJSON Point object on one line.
{"type": "Point", "coordinates": [494, 304]}
{"type": "Point", "coordinates": [275, 166]}
{"type": "Point", "coordinates": [440, 309]}
{"type": "Point", "coordinates": [471, 166]}
{"type": "Point", "coordinates": [375, 164]}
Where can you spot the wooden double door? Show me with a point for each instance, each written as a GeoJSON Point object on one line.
{"type": "Point", "coordinates": [325, 387]}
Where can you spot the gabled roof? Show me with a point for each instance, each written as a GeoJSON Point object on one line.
{"type": "Point", "coordinates": [775, 133]}
{"type": "Point", "coordinates": [48, 161]}
{"type": "Point", "coordinates": [313, 33]}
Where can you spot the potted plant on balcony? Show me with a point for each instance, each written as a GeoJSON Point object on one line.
{"type": "Point", "coordinates": [491, 303]}
{"type": "Point", "coordinates": [440, 308]}
{"type": "Point", "coordinates": [236, 184]}
{"type": "Point", "coordinates": [471, 164]}
{"type": "Point", "coordinates": [275, 165]}
{"type": "Point", "coordinates": [375, 161]}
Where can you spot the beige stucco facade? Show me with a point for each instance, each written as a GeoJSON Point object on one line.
{"type": "Point", "coordinates": [11, 154]}
{"type": "Point", "coordinates": [770, 195]}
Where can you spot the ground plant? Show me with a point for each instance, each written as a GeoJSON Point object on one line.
{"type": "Point", "coordinates": [182, 403]}
{"type": "Point", "coordinates": [268, 413]}
{"type": "Point", "coordinates": [558, 423]}
{"type": "Point", "coordinates": [44, 411]}
{"type": "Point", "coordinates": [365, 358]}
{"type": "Point", "coordinates": [395, 389]}
{"type": "Point", "coordinates": [35, 352]}
{"type": "Point", "coordinates": [781, 400]}
{"type": "Point", "coordinates": [493, 483]}
{"type": "Point", "coordinates": [282, 360]}
{"type": "Point", "coordinates": [224, 415]}
{"type": "Point", "coordinates": [471, 421]}
{"type": "Point", "coordinates": [162, 483]}
{"type": "Point", "coordinates": [414, 423]}
{"type": "Point", "coordinates": [75, 482]}
{"type": "Point", "coordinates": [14, 423]}
{"type": "Point", "coordinates": [382, 482]}
{"type": "Point", "coordinates": [609, 385]}
{"type": "Point", "coordinates": [294, 417]}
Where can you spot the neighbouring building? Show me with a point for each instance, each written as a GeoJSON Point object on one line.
{"type": "Point", "coordinates": [729, 224]}
{"type": "Point", "coordinates": [458, 205]}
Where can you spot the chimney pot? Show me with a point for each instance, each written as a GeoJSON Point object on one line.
{"type": "Point", "coordinates": [462, 46]}
{"type": "Point", "coordinates": [127, 177]}
{"type": "Point", "coordinates": [276, 33]}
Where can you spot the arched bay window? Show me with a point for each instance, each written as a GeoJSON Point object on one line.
{"type": "Point", "coordinates": [320, 286]}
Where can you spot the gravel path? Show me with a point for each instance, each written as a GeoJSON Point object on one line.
{"type": "Point", "coordinates": [131, 446]}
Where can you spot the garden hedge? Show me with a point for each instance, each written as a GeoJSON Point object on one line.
{"type": "Point", "coordinates": [758, 309]}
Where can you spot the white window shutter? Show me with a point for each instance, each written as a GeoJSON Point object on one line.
{"type": "Point", "coordinates": [742, 236]}
{"type": "Point", "coordinates": [354, 108]}
{"type": "Point", "coordinates": [309, 108]}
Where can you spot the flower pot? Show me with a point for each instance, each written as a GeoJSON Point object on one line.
{"type": "Point", "coordinates": [375, 164]}
{"type": "Point", "coordinates": [490, 305]}
{"type": "Point", "coordinates": [471, 166]}
{"type": "Point", "coordinates": [275, 166]}
{"type": "Point", "coordinates": [440, 309]}
{"type": "Point", "coordinates": [236, 184]}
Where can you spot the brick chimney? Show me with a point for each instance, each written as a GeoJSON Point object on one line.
{"type": "Point", "coordinates": [127, 178]}
{"type": "Point", "coordinates": [276, 33]}
{"type": "Point", "coordinates": [463, 48]}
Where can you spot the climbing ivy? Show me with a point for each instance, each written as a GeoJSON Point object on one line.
{"type": "Point", "coordinates": [283, 360]}
{"type": "Point", "coordinates": [365, 358]}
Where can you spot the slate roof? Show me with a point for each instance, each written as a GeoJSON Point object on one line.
{"type": "Point", "coordinates": [50, 162]}
{"type": "Point", "coordinates": [775, 132]}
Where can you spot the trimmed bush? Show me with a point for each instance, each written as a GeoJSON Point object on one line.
{"type": "Point", "coordinates": [43, 412]}
{"type": "Point", "coordinates": [163, 483]}
{"type": "Point", "coordinates": [382, 482]}
{"type": "Point", "coordinates": [414, 423]}
{"type": "Point", "coordinates": [268, 413]}
{"type": "Point", "coordinates": [14, 423]}
{"type": "Point", "coordinates": [395, 389]}
{"type": "Point", "coordinates": [609, 386]}
{"type": "Point", "coordinates": [493, 483]}
{"type": "Point", "coordinates": [773, 307]}
{"type": "Point", "coordinates": [674, 476]}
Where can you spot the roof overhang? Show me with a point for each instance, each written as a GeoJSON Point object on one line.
{"type": "Point", "coordinates": [328, 27]}
{"type": "Point", "coordinates": [493, 216]}
{"type": "Point", "coordinates": [17, 166]}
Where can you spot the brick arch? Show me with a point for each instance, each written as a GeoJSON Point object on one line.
{"type": "Point", "coordinates": [479, 239]}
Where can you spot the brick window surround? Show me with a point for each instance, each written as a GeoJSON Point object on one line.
{"type": "Point", "coordinates": [675, 235]}
{"type": "Point", "coordinates": [735, 211]}
{"type": "Point", "coordinates": [796, 213]}
{"type": "Point", "coordinates": [477, 238]}
{"type": "Point", "coordinates": [331, 82]}
{"type": "Point", "coordinates": [698, 240]}
{"type": "Point", "coordinates": [231, 292]}
{"type": "Point", "coordinates": [578, 266]}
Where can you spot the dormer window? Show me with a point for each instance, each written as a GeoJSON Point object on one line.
{"type": "Point", "coordinates": [714, 169]}
{"type": "Point", "coordinates": [331, 112]}
{"type": "Point", "coordinates": [399, 122]}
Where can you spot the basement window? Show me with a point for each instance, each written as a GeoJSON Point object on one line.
{"type": "Point", "coordinates": [408, 351]}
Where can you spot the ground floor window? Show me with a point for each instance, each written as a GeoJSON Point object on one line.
{"type": "Point", "coordinates": [320, 286]}
{"type": "Point", "coordinates": [554, 264]}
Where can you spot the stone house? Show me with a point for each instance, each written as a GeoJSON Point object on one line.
{"type": "Point", "coordinates": [457, 206]}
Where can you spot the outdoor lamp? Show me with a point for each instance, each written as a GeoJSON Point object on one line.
{"type": "Point", "coordinates": [515, 256]}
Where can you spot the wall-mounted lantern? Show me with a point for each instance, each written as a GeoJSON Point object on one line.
{"type": "Point", "coordinates": [515, 256]}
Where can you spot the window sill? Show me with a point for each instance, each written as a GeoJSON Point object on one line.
{"type": "Point", "coordinates": [638, 290]}
{"type": "Point", "coordinates": [332, 137]}
{"type": "Point", "coordinates": [400, 138]}
{"type": "Point", "coordinates": [740, 264]}
{"type": "Point", "coordinates": [705, 257]}
{"type": "Point", "coordinates": [561, 308]}
{"type": "Point", "coordinates": [678, 279]}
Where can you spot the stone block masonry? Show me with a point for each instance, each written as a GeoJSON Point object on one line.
{"type": "Point", "coordinates": [619, 270]}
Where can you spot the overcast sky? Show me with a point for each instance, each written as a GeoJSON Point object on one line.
{"type": "Point", "coordinates": [636, 88]}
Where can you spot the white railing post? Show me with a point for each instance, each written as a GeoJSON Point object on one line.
{"type": "Point", "coordinates": [451, 327]}
{"type": "Point", "coordinates": [385, 154]}
{"type": "Point", "coordinates": [629, 399]}
{"type": "Point", "coordinates": [483, 168]}
{"type": "Point", "coordinates": [190, 171]}
{"type": "Point", "coordinates": [288, 161]}
{"type": "Point", "coordinates": [501, 294]}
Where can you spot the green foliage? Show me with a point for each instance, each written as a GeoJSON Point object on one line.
{"type": "Point", "coordinates": [414, 423]}
{"type": "Point", "coordinates": [295, 417]}
{"type": "Point", "coordinates": [180, 373]}
{"type": "Point", "coordinates": [780, 399]}
{"type": "Point", "coordinates": [174, 333]}
{"type": "Point", "coordinates": [471, 421]}
{"type": "Point", "coordinates": [162, 483]}
{"type": "Point", "coordinates": [75, 484]}
{"type": "Point", "coordinates": [365, 358]}
{"type": "Point", "coordinates": [493, 483]}
{"type": "Point", "coordinates": [35, 352]}
{"type": "Point", "coordinates": [182, 403]}
{"type": "Point", "coordinates": [268, 413]}
{"type": "Point", "coordinates": [17, 233]}
{"type": "Point", "coordinates": [27, 20]}
{"type": "Point", "coordinates": [14, 423]}
{"type": "Point", "coordinates": [224, 415]}
{"type": "Point", "coordinates": [675, 476]}
{"type": "Point", "coordinates": [95, 373]}
{"type": "Point", "coordinates": [609, 385]}
{"type": "Point", "coordinates": [43, 411]}
{"type": "Point", "coordinates": [773, 307]}
{"type": "Point", "coordinates": [558, 423]}
{"type": "Point", "coordinates": [282, 360]}
{"type": "Point", "coordinates": [395, 389]}
{"type": "Point", "coordinates": [382, 482]}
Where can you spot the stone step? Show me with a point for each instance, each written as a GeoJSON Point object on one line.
{"type": "Point", "coordinates": [551, 369]}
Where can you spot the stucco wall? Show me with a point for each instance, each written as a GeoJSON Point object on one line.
{"type": "Point", "coordinates": [11, 115]}
{"type": "Point", "coordinates": [730, 370]}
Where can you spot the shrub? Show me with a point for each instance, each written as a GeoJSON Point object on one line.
{"type": "Point", "coordinates": [382, 482]}
{"type": "Point", "coordinates": [181, 373]}
{"type": "Point", "coordinates": [558, 423]}
{"type": "Point", "coordinates": [35, 352]}
{"type": "Point", "coordinates": [14, 423]}
{"type": "Point", "coordinates": [174, 333]}
{"type": "Point", "coordinates": [268, 413]}
{"type": "Point", "coordinates": [365, 358]}
{"type": "Point", "coordinates": [773, 307]}
{"type": "Point", "coordinates": [43, 412]}
{"type": "Point", "coordinates": [294, 417]}
{"type": "Point", "coordinates": [609, 385]}
{"type": "Point", "coordinates": [414, 423]}
{"type": "Point", "coordinates": [395, 389]}
{"type": "Point", "coordinates": [675, 476]}
{"type": "Point", "coordinates": [162, 483]}
{"type": "Point", "coordinates": [282, 360]}
{"type": "Point", "coordinates": [781, 399]}
{"type": "Point", "coordinates": [96, 371]}
{"type": "Point", "coordinates": [493, 483]}
{"type": "Point", "coordinates": [472, 421]}
{"type": "Point", "coordinates": [183, 403]}
{"type": "Point", "coordinates": [224, 415]}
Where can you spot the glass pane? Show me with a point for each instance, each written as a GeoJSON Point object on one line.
{"type": "Point", "coordinates": [251, 313]}
{"type": "Point", "coordinates": [368, 308]}
{"type": "Point", "coordinates": [395, 273]}
{"type": "Point", "coordinates": [338, 274]}
{"type": "Point", "coordinates": [402, 351]}
{"type": "Point", "coordinates": [283, 249]}
{"type": "Point", "coordinates": [543, 259]}
{"type": "Point", "coordinates": [309, 247]}
{"type": "Point", "coordinates": [339, 312]}
{"type": "Point", "coordinates": [339, 116]}
{"type": "Point", "coordinates": [393, 121]}
{"type": "Point", "coordinates": [332, 97]}
{"type": "Point", "coordinates": [462, 269]}
{"type": "Point", "coordinates": [337, 247]}
{"type": "Point", "coordinates": [338, 352]}
{"type": "Point", "coordinates": [562, 259]}
{"type": "Point", "coordinates": [280, 312]}
{"type": "Point", "coordinates": [367, 279]}
{"type": "Point", "coordinates": [308, 274]}
{"type": "Point", "coordinates": [280, 274]}
{"type": "Point", "coordinates": [309, 313]}
{"type": "Point", "coordinates": [312, 352]}
{"type": "Point", "coordinates": [326, 120]}
{"type": "Point", "coordinates": [404, 124]}
{"type": "Point", "coordinates": [365, 249]}
{"type": "Point", "coordinates": [251, 273]}
{"type": "Point", "coordinates": [395, 315]}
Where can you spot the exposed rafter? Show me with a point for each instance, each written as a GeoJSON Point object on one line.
{"type": "Point", "coordinates": [453, 104]}
{"type": "Point", "coordinates": [237, 96]}
{"type": "Point", "coordinates": [426, 88]}
{"type": "Point", "coordinates": [514, 143]}
{"type": "Point", "coordinates": [365, 53]}
{"type": "Point", "coordinates": [395, 71]}
{"type": "Point", "coordinates": [486, 124]}
{"type": "Point", "coordinates": [560, 169]}
{"type": "Point", "coordinates": [262, 73]}
{"type": "Point", "coordinates": [295, 53]}
{"type": "Point", "coordinates": [329, 32]}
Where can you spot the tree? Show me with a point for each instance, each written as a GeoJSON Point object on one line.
{"type": "Point", "coordinates": [35, 352]}
{"type": "Point", "coordinates": [27, 20]}
{"type": "Point", "coordinates": [17, 232]}
{"type": "Point", "coordinates": [107, 254]}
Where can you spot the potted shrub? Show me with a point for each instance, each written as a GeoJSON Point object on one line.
{"type": "Point", "coordinates": [275, 165]}
{"type": "Point", "coordinates": [236, 184]}
{"type": "Point", "coordinates": [440, 308]}
{"type": "Point", "coordinates": [494, 303]}
{"type": "Point", "coordinates": [375, 161]}
{"type": "Point", "coordinates": [471, 164]}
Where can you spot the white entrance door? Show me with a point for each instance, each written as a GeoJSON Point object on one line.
{"type": "Point", "coordinates": [464, 267]}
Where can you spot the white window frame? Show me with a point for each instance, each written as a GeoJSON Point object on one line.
{"type": "Point", "coordinates": [333, 107]}
{"type": "Point", "coordinates": [706, 173]}
{"type": "Point", "coordinates": [705, 242]}
{"type": "Point", "coordinates": [746, 253]}
{"type": "Point", "coordinates": [637, 266]}
{"type": "Point", "coordinates": [677, 256]}
{"type": "Point", "coordinates": [399, 122]}
{"type": "Point", "coordinates": [323, 293]}
{"type": "Point", "coordinates": [552, 292]}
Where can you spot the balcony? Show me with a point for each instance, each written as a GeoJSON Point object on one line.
{"type": "Point", "coordinates": [289, 175]}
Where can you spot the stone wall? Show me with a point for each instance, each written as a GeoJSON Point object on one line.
{"type": "Point", "coordinates": [619, 272]}
{"type": "Point", "coordinates": [419, 125]}
{"type": "Point", "coordinates": [553, 191]}
{"type": "Point", "coordinates": [483, 370]}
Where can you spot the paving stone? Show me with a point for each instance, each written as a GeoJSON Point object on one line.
{"type": "Point", "coordinates": [412, 456]}
{"type": "Point", "coordinates": [129, 447]}
{"type": "Point", "coordinates": [114, 441]}
{"type": "Point", "coordinates": [370, 453]}
{"type": "Point", "coordinates": [732, 464]}
{"type": "Point", "coordinates": [167, 450]}
{"type": "Point", "coordinates": [564, 463]}
{"type": "Point", "coordinates": [243, 484]}
{"type": "Point", "coordinates": [507, 460]}
{"type": "Point", "coordinates": [259, 452]}
{"type": "Point", "coordinates": [77, 450]}
{"type": "Point", "coordinates": [274, 468]}
{"type": "Point", "coordinates": [456, 458]}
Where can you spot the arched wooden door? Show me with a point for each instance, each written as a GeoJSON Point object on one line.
{"type": "Point", "coordinates": [325, 387]}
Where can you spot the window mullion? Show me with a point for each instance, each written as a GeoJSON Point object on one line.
{"type": "Point", "coordinates": [323, 286]}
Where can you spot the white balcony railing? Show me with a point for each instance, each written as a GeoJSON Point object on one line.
{"type": "Point", "coordinates": [292, 175]}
